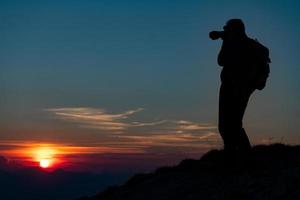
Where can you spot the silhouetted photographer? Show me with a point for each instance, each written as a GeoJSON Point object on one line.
{"type": "Point", "coordinates": [245, 65]}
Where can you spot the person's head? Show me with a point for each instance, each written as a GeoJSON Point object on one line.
{"type": "Point", "coordinates": [235, 28]}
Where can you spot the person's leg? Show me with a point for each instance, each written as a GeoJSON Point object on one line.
{"type": "Point", "coordinates": [243, 141]}
{"type": "Point", "coordinates": [233, 100]}
{"type": "Point", "coordinates": [243, 96]}
{"type": "Point", "coordinates": [226, 113]}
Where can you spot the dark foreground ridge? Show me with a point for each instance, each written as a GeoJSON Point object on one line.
{"type": "Point", "coordinates": [273, 173]}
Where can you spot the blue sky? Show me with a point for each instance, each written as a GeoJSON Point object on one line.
{"type": "Point", "coordinates": [152, 59]}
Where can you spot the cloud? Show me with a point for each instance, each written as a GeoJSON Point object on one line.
{"type": "Point", "coordinates": [127, 133]}
{"type": "Point", "coordinates": [26, 151]}
{"type": "Point", "coordinates": [95, 118]}
{"type": "Point", "coordinates": [175, 140]}
{"type": "Point", "coordinates": [191, 126]}
{"type": "Point", "coordinates": [140, 124]}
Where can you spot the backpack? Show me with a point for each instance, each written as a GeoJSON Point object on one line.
{"type": "Point", "coordinates": [260, 67]}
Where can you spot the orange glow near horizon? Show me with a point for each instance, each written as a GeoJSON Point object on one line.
{"type": "Point", "coordinates": [45, 156]}
{"type": "Point", "coordinates": [50, 156]}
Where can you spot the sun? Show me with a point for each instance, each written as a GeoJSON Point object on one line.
{"type": "Point", "coordinates": [45, 156]}
{"type": "Point", "coordinates": [45, 163]}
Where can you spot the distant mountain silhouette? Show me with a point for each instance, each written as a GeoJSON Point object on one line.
{"type": "Point", "coordinates": [273, 173]}
{"type": "Point", "coordinates": [17, 182]}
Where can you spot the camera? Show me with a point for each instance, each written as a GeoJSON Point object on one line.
{"type": "Point", "coordinates": [214, 35]}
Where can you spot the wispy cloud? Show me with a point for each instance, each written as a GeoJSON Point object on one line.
{"type": "Point", "coordinates": [176, 140]}
{"type": "Point", "coordinates": [188, 125]}
{"type": "Point", "coordinates": [140, 135]}
{"type": "Point", "coordinates": [95, 118]}
{"type": "Point", "coordinates": [13, 148]}
{"type": "Point", "coordinates": [98, 118]}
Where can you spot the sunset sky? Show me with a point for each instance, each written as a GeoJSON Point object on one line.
{"type": "Point", "coordinates": [114, 84]}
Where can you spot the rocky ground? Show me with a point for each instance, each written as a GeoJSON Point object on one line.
{"type": "Point", "coordinates": [273, 172]}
